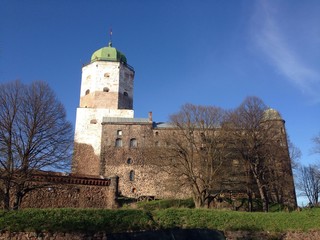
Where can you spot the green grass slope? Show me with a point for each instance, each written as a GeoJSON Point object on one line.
{"type": "Point", "coordinates": [124, 220]}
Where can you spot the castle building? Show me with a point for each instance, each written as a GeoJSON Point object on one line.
{"type": "Point", "coordinates": [106, 91]}
{"type": "Point", "coordinates": [109, 140]}
{"type": "Point", "coordinates": [105, 117]}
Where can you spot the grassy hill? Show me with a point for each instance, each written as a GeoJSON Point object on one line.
{"type": "Point", "coordinates": [123, 220]}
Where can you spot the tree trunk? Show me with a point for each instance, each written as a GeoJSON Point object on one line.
{"type": "Point", "coordinates": [250, 204]}
{"type": "Point", "coordinates": [261, 187]}
{"type": "Point", "coordinates": [6, 200]}
{"type": "Point", "coordinates": [18, 200]}
{"type": "Point", "coordinates": [200, 201]}
{"type": "Point", "coordinates": [263, 196]}
{"type": "Point", "coordinates": [197, 201]}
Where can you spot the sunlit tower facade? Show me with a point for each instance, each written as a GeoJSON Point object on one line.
{"type": "Point", "coordinates": [106, 91]}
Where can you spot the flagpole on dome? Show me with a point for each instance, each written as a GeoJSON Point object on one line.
{"type": "Point", "coordinates": [110, 38]}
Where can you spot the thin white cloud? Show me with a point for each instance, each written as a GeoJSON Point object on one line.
{"type": "Point", "coordinates": [272, 41]}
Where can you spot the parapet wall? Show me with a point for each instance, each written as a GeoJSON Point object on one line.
{"type": "Point", "coordinates": [73, 191]}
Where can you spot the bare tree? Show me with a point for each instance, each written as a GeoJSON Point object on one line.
{"type": "Point", "coordinates": [195, 151]}
{"type": "Point", "coordinates": [309, 183]}
{"type": "Point", "coordinates": [316, 141]}
{"type": "Point", "coordinates": [257, 143]}
{"type": "Point", "coordinates": [34, 135]}
{"type": "Point", "coordinates": [308, 177]}
{"type": "Point", "coordinates": [295, 154]}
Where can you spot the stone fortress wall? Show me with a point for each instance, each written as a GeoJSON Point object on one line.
{"type": "Point", "coordinates": [57, 190]}
{"type": "Point", "coordinates": [131, 163]}
{"type": "Point", "coordinates": [124, 142]}
{"type": "Point", "coordinates": [109, 149]}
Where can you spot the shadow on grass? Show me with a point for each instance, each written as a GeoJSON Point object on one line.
{"type": "Point", "coordinates": [170, 234]}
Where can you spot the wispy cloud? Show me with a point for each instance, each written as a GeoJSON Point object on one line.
{"type": "Point", "coordinates": [271, 39]}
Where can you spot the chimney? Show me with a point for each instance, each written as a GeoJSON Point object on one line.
{"type": "Point", "coordinates": [150, 116]}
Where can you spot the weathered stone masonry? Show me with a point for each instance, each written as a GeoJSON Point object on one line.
{"type": "Point", "coordinates": [110, 141]}
{"type": "Point", "coordinates": [110, 145]}
{"type": "Point", "coordinates": [61, 191]}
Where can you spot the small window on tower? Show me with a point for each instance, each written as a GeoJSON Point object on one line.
{"type": "Point", "coordinates": [118, 142]}
{"type": "Point", "coordinates": [129, 161]}
{"type": "Point", "coordinates": [131, 175]}
{"type": "Point", "coordinates": [119, 132]}
{"type": "Point", "coordinates": [133, 143]}
{"type": "Point", "coordinates": [125, 94]}
{"type": "Point", "coordinates": [93, 121]}
{"type": "Point", "coordinates": [235, 162]}
{"type": "Point", "coordinates": [106, 75]}
{"type": "Point", "coordinates": [87, 92]}
{"type": "Point", "coordinates": [89, 77]}
{"type": "Point", "coordinates": [106, 89]}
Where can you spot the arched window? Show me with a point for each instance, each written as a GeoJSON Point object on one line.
{"type": "Point", "coordinates": [131, 175]}
{"type": "Point", "coordinates": [106, 89]}
{"type": "Point", "coordinates": [133, 142]}
{"type": "Point", "coordinates": [235, 166]}
{"type": "Point", "coordinates": [129, 161]}
{"type": "Point", "coordinates": [235, 162]}
{"type": "Point", "coordinates": [118, 142]}
{"type": "Point", "coordinates": [93, 121]}
{"type": "Point", "coordinates": [119, 132]}
{"type": "Point", "coordinates": [203, 136]}
{"type": "Point", "coordinates": [87, 92]}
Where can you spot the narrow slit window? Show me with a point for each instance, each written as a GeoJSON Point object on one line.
{"type": "Point", "coordinates": [131, 175]}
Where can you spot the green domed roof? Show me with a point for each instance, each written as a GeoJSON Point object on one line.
{"type": "Point", "coordinates": [108, 54]}
{"type": "Point", "coordinates": [271, 114]}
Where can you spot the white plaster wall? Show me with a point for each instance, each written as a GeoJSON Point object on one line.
{"type": "Point", "coordinates": [88, 127]}
{"type": "Point", "coordinates": [94, 79]}
{"type": "Point", "coordinates": [88, 133]}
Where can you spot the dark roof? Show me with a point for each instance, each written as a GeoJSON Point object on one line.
{"type": "Point", "coordinates": [120, 120]}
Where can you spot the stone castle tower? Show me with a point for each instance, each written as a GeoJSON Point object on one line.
{"type": "Point", "coordinates": [109, 141]}
{"type": "Point", "coordinates": [106, 91]}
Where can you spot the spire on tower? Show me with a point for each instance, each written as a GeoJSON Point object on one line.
{"type": "Point", "coordinates": [110, 38]}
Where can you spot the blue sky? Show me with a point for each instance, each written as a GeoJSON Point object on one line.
{"type": "Point", "coordinates": [202, 52]}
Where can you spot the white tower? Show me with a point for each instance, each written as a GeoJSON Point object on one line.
{"type": "Point", "coordinates": [106, 91]}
